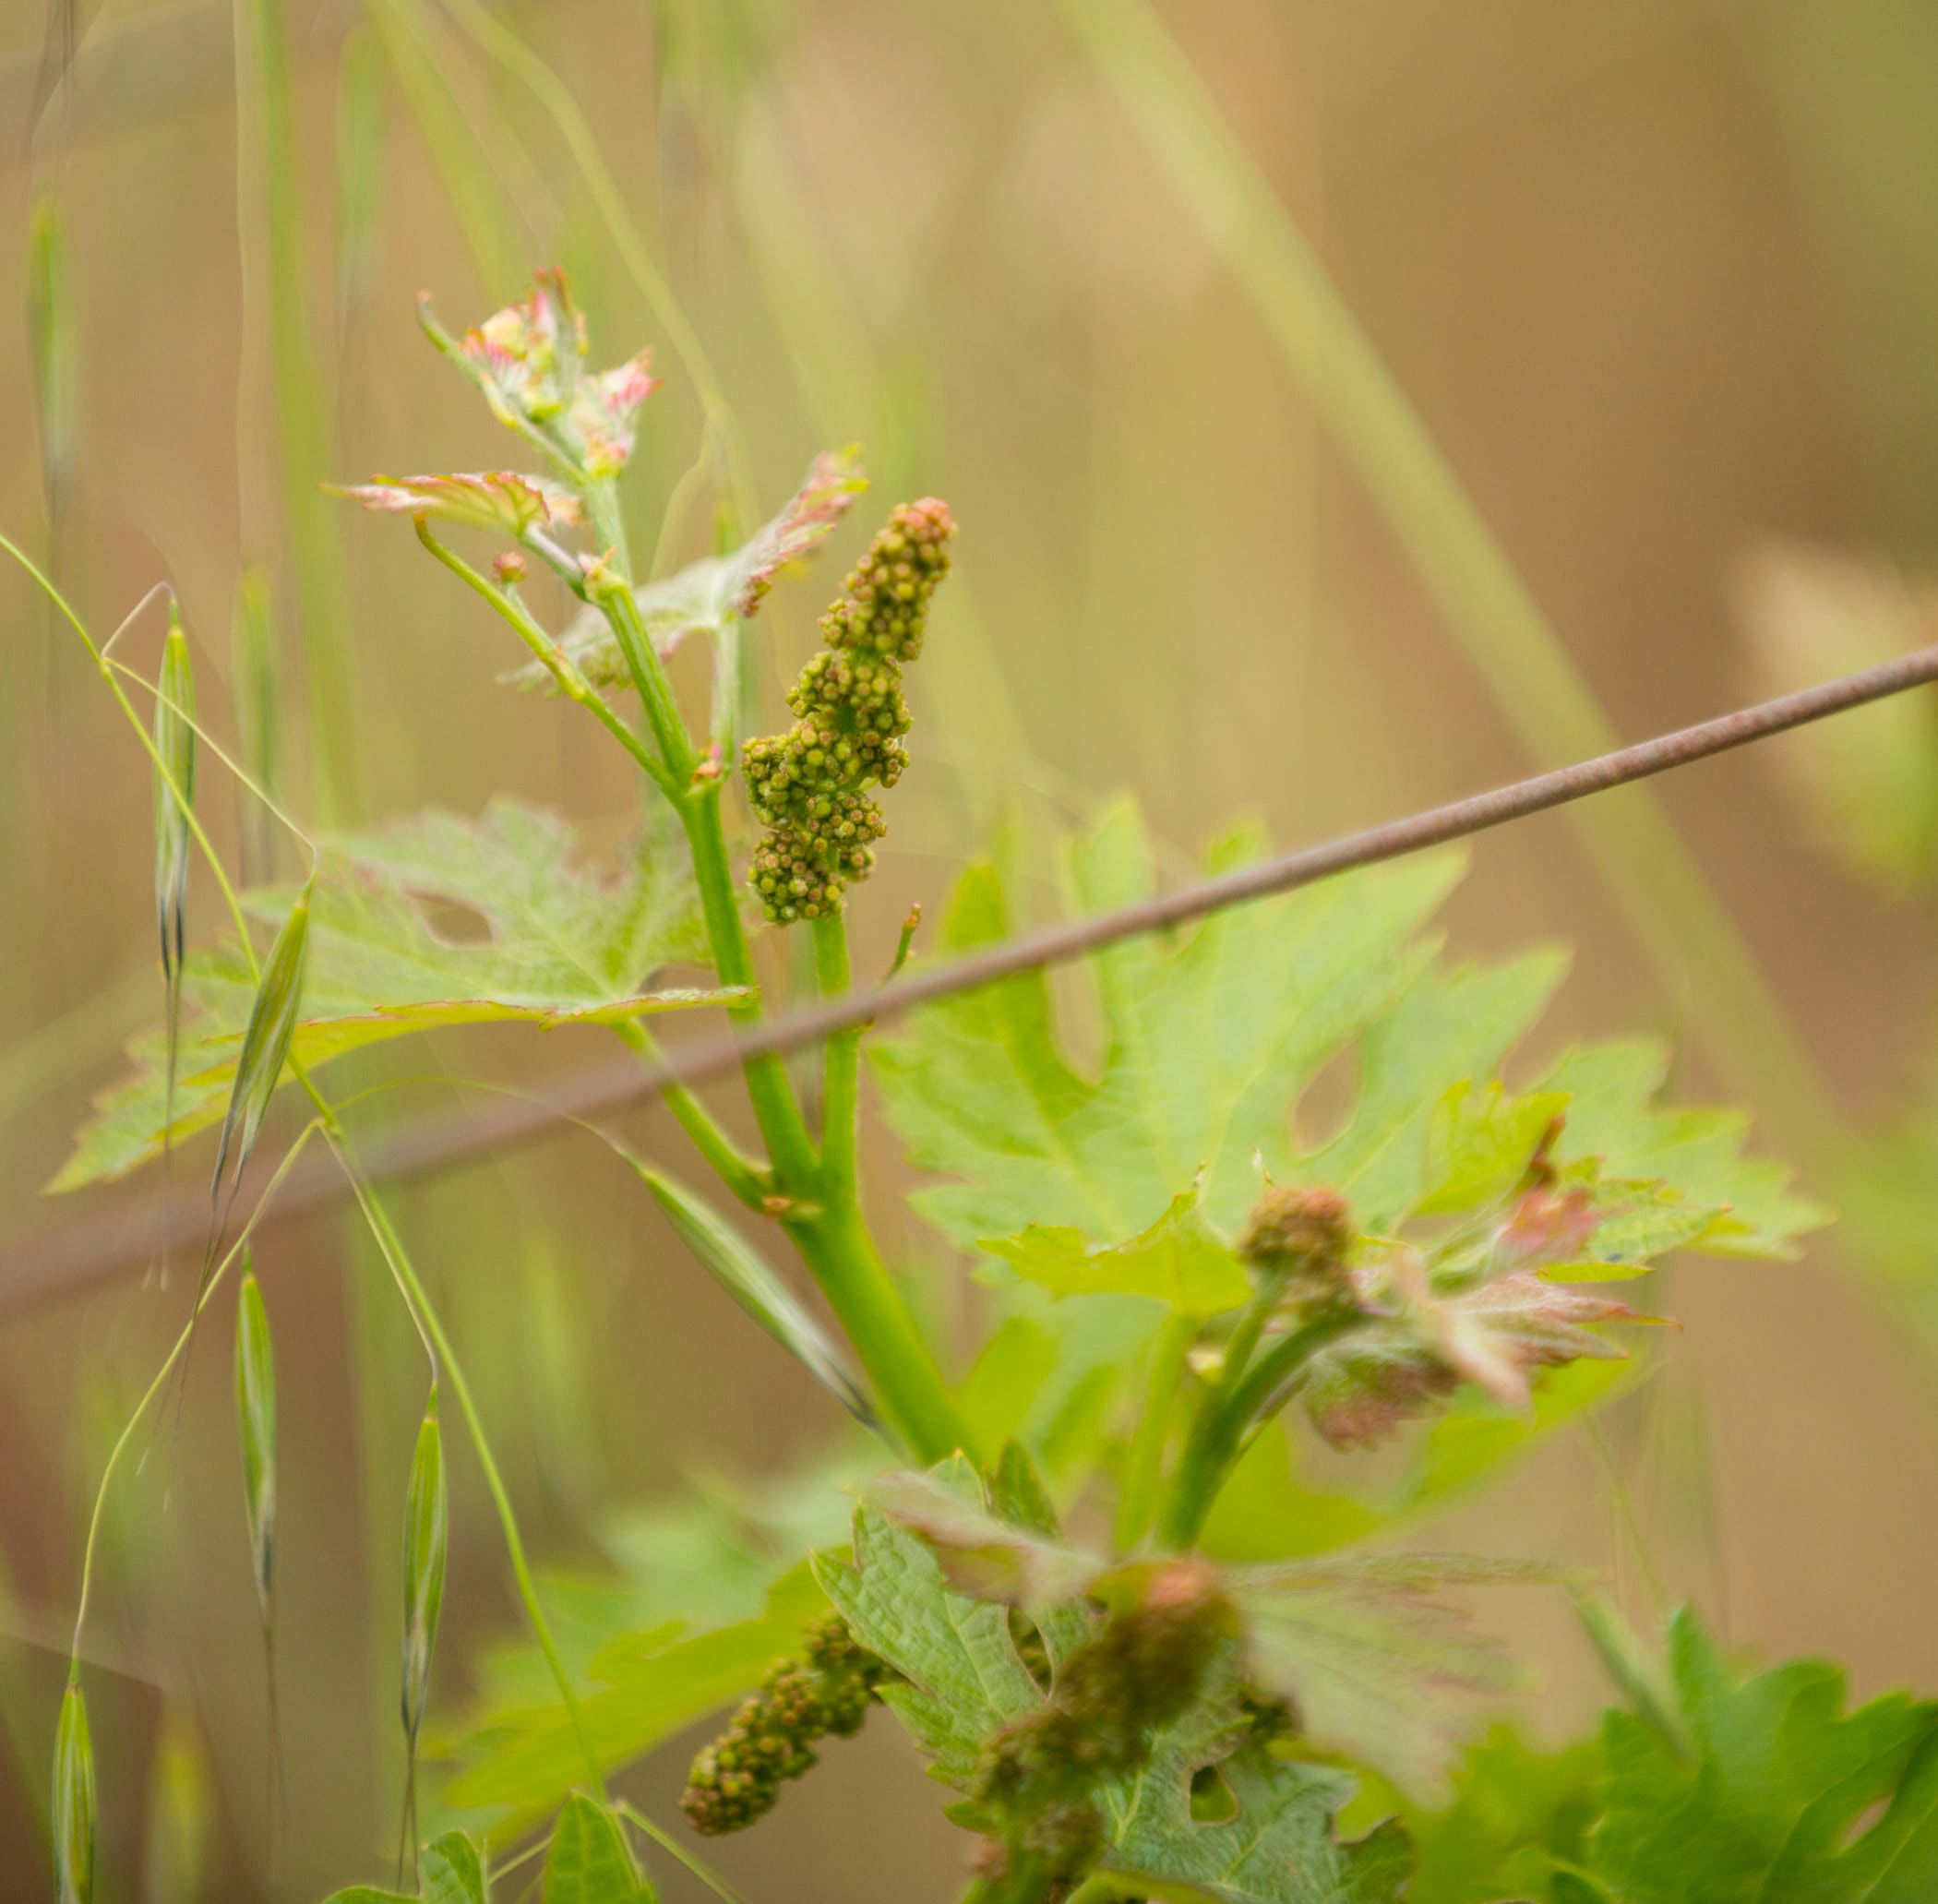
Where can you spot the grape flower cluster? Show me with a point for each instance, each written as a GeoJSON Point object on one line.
{"type": "Point", "coordinates": [826, 1694]}
{"type": "Point", "coordinates": [808, 786]}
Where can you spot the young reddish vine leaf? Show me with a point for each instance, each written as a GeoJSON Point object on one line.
{"type": "Point", "coordinates": [698, 599]}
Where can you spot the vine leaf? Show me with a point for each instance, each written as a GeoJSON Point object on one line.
{"type": "Point", "coordinates": [702, 598]}
{"type": "Point", "coordinates": [1364, 1652]}
{"type": "Point", "coordinates": [589, 1862]}
{"type": "Point", "coordinates": [500, 500]}
{"type": "Point", "coordinates": [1213, 1037]}
{"type": "Point", "coordinates": [981, 1555]}
{"type": "Point", "coordinates": [1279, 1846]}
{"type": "Point", "coordinates": [1209, 1036]}
{"type": "Point", "coordinates": [1360, 1649]}
{"type": "Point", "coordinates": [1473, 1201]}
{"type": "Point", "coordinates": [448, 1871]}
{"type": "Point", "coordinates": [566, 944]}
{"type": "Point", "coordinates": [1762, 1801]}
{"type": "Point", "coordinates": [1496, 1336]}
{"type": "Point", "coordinates": [1515, 1813]}
{"type": "Point", "coordinates": [964, 1679]}
{"type": "Point", "coordinates": [1177, 1260]}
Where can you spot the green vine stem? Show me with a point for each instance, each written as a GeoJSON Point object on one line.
{"type": "Point", "coordinates": [835, 1245]}
{"type": "Point", "coordinates": [819, 1195]}
{"type": "Point", "coordinates": [790, 1148]}
{"type": "Point", "coordinates": [750, 1183]}
{"type": "Point", "coordinates": [1248, 1395]}
{"type": "Point", "coordinates": [841, 1091]}
{"type": "Point", "coordinates": [1143, 1463]}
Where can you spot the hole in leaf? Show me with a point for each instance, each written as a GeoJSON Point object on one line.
{"type": "Point", "coordinates": [1212, 1801]}
{"type": "Point", "coordinates": [451, 923]}
{"type": "Point", "coordinates": [1030, 1650]}
{"type": "Point", "coordinates": [1864, 1821]}
{"type": "Point", "coordinates": [1326, 1105]}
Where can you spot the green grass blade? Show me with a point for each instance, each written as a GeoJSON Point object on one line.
{"type": "Point", "coordinates": [1683, 926]}
{"type": "Point", "coordinates": [733, 1266]}
{"type": "Point", "coordinates": [255, 693]}
{"type": "Point", "coordinates": [53, 350]}
{"type": "Point", "coordinates": [266, 125]}
{"type": "Point", "coordinates": [479, 196]}
{"type": "Point", "coordinates": [74, 1802]}
{"type": "Point", "coordinates": [361, 131]}
{"type": "Point", "coordinates": [265, 1046]}
{"type": "Point", "coordinates": [173, 797]}
{"type": "Point", "coordinates": [426, 1548]}
{"type": "Point", "coordinates": [256, 1427]}
{"type": "Point", "coordinates": [255, 1431]}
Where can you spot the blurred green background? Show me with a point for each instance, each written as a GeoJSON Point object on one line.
{"type": "Point", "coordinates": [1659, 278]}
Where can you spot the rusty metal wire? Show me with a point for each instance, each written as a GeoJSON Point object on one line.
{"type": "Point", "coordinates": [97, 1249]}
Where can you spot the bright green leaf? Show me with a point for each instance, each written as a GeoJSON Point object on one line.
{"type": "Point", "coordinates": [1176, 1262]}
{"type": "Point", "coordinates": [1515, 1811]}
{"type": "Point", "coordinates": [1447, 1026]}
{"type": "Point", "coordinates": [565, 944]}
{"type": "Point", "coordinates": [1210, 1035]}
{"type": "Point", "coordinates": [1279, 1847]}
{"type": "Point", "coordinates": [448, 1871]}
{"type": "Point", "coordinates": [964, 1678]}
{"type": "Point", "coordinates": [590, 1862]}
{"type": "Point", "coordinates": [1780, 1799]}
{"type": "Point", "coordinates": [1478, 1141]}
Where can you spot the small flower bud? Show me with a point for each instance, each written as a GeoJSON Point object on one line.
{"type": "Point", "coordinates": [510, 568]}
{"type": "Point", "coordinates": [1301, 1237]}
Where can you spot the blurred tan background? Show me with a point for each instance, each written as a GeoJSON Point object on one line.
{"type": "Point", "coordinates": [1662, 279]}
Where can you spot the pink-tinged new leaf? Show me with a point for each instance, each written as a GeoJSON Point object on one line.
{"type": "Point", "coordinates": [785, 545]}
{"type": "Point", "coordinates": [1499, 1335]}
{"type": "Point", "coordinates": [603, 414]}
{"type": "Point", "coordinates": [1359, 1392]}
{"type": "Point", "coordinates": [1549, 1224]}
{"type": "Point", "coordinates": [528, 354]}
{"type": "Point", "coordinates": [1425, 1342]}
{"type": "Point", "coordinates": [499, 500]}
{"type": "Point", "coordinates": [702, 597]}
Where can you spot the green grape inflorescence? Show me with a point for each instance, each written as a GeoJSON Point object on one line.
{"type": "Point", "coordinates": [826, 1694]}
{"type": "Point", "coordinates": [808, 786]}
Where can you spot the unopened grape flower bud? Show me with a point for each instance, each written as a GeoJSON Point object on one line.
{"type": "Point", "coordinates": [510, 568]}
{"type": "Point", "coordinates": [1302, 1237]}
